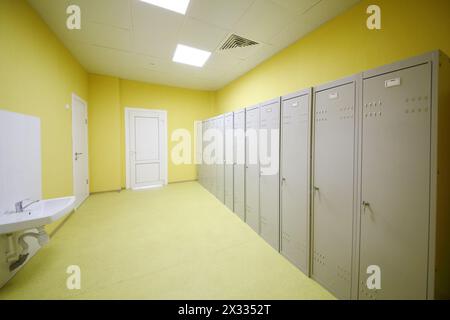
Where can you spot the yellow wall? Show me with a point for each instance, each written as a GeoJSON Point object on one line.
{"type": "Point", "coordinates": [104, 133]}
{"type": "Point", "coordinates": [37, 77]}
{"type": "Point", "coordinates": [342, 47]}
{"type": "Point", "coordinates": [108, 99]}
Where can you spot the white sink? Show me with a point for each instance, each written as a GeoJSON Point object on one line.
{"type": "Point", "coordinates": [36, 215]}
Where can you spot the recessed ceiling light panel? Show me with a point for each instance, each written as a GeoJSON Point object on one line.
{"type": "Point", "coordinates": [191, 56]}
{"type": "Point", "coordinates": [179, 6]}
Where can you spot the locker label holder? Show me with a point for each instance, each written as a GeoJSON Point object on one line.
{"type": "Point", "coordinates": [392, 83]}
{"type": "Point", "coordinates": [333, 96]}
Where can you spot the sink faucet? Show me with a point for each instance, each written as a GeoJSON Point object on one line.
{"type": "Point", "coordinates": [20, 207]}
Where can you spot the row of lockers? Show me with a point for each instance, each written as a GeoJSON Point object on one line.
{"type": "Point", "coordinates": [358, 198]}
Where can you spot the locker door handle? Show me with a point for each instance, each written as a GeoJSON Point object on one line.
{"type": "Point", "coordinates": [283, 180]}
{"type": "Point", "coordinates": [316, 189]}
{"type": "Point", "coordinates": [366, 204]}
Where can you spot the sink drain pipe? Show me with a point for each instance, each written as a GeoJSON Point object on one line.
{"type": "Point", "coordinates": [41, 236]}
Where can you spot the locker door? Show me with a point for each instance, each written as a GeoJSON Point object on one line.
{"type": "Point", "coordinates": [396, 183]}
{"type": "Point", "coordinates": [229, 161]}
{"type": "Point", "coordinates": [269, 192]}
{"type": "Point", "coordinates": [205, 163]}
{"type": "Point", "coordinates": [295, 153]}
{"type": "Point", "coordinates": [220, 164]}
{"type": "Point", "coordinates": [198, 149]}
{"type": "Point", "coordinates": [333, 184]}
{"type": "Point", "coordinates": [239, 164]}
{"type": "Point", "coordinates": [211, 166]}
{"type": "Point", "coordinates": [252, 168]}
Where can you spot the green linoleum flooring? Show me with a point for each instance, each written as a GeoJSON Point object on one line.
{"type": "Point", "coordinates": [177, 242]}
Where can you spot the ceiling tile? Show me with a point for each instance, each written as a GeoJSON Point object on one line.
{"type": "Point", "coordinates": [111, 12]}
{"type": "Point", "coordinates": [101, 35]}
{"type": "Point", "coordinates": [263, 20]}
{"type": "Point", "coordinates": [200, 35]}
{"type": "Point", "coordinates": [221, 13]}
{"type": "Point", "coordinates": [297, 6]}
{"type": "Point", "coordinates": [155, 30]}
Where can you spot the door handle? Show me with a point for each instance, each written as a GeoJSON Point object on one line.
{"type": "Point", "coordinates": [77, 154]}
{"type": "Point", "coordinates": [316, 189]}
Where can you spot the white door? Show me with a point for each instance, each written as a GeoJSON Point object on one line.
{"type": "Point", "coordinates": [80, 150]}
{"type": "Point", "coordinates": [146, 148]}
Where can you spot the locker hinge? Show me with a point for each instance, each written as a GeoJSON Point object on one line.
{"type": "Point", "coordinates": [85, 121]}
{"type": "Point", "coordinates": [87, 181]}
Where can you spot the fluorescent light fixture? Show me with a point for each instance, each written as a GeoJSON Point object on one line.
{"type": "Point", "coordinates": [179, 6]}
{"type": "Point", "coordinates": [191, 56]}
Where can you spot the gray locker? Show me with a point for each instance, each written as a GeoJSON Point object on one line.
{"type": "Point", "coordinates": [334, 185]}
{"type": "Point", "coordinates": [252, 168]}
{"type": "Point", "coordinates": [229, 161]}
{"type": "Point", "coordinates": [239, 164]}
{"type": "Point", "coordinates": [295, 178]}
{"type": "Point", "coordinates": [269, 162]}
{"type": "Point", "coordinates": [199, 149]}
{"type": "Point", "coordinates": [220, 159]}
{"type": "Point", "coordinates": [399, 179]}
{"type": "Point", "coordinates": [207, 180]}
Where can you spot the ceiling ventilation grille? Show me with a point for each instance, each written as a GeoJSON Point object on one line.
{"type": "Point", "coordinates": [235, 41]}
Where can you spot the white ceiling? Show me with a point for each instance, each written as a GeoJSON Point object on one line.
{"type": "Point", "coordinates": [133, 40]}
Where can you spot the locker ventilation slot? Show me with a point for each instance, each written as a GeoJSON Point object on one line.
{"type": "Point", "coordinates": [235, 41]}
{"type": "Point", "coordinates": [366, 293]}
{"type": "Point", "coordinates": [343, 274]}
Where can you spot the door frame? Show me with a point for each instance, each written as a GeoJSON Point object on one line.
{"type": "Point", "coordinates": [76, 97]}
{"type": "Point", "coordinates": [164, 144]}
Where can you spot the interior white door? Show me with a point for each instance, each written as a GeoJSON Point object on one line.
{"type": "Point", "coordinates": [147, 148]}
{"type": "Point", "coordinates": [80, 150]}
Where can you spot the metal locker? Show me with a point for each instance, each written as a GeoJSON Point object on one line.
{"type": "Point", "coordinates": [252, 168]}
{"type": "Point", "coordinates": [220, 159]}
{"type": "Point", "coordinates": [229, 161]}
{"type": "Point", "coordinates": [208, 143]}
{"type": "Point", "coordinates": [239, 164]}
{"type": "Point", "coordinates": [295, 178]}
{"type": "Point", "coordinates": [269, 163]}
{"type": "Point", "coordinates": [205, 165]}
{"type": "Point", "coordinates": [334, 185]}
{"type": "Point", "coordinates": [395, 182]}
{"type": "Point", "coordinates": [198, 149]}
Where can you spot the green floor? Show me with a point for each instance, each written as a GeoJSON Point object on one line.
{"type": "Point", "coordinates": [173, 243]}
